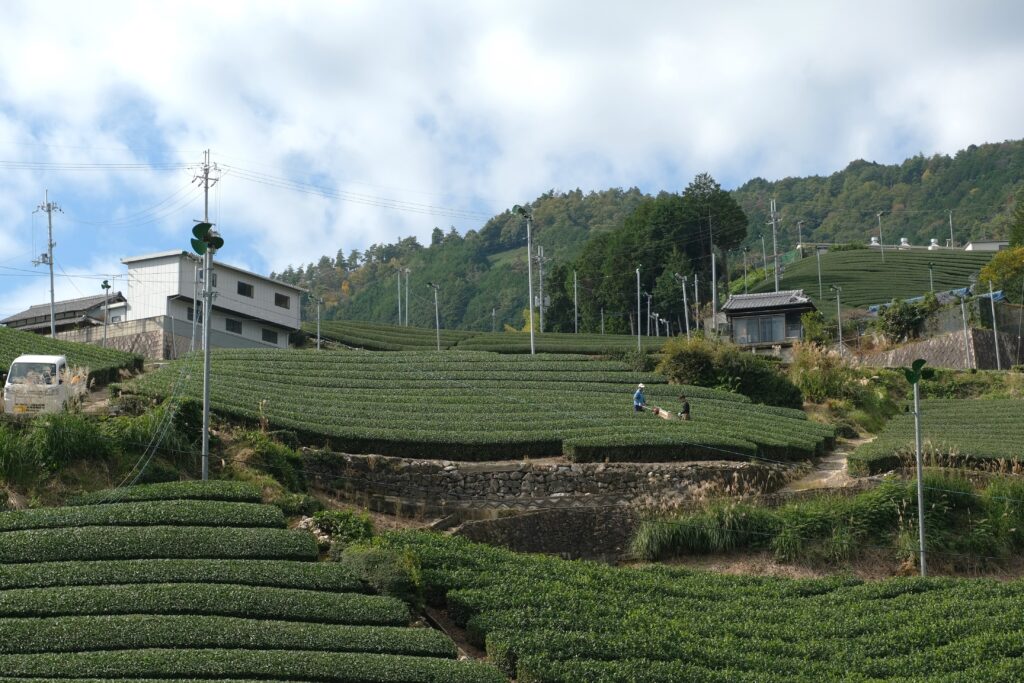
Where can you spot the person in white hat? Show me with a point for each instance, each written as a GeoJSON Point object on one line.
{"type": "Point", "coordinates": [639, 402]}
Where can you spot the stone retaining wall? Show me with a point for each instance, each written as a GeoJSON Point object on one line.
{"type": "Point", "coordinates": [438, 487]}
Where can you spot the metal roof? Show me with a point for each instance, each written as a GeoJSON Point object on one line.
{"type": "Point", "coordinates": [179, 253]}
{"type": "Point", "coordinates": [753, 302]}
{"type": "Point", "coordinates": [82, 304]}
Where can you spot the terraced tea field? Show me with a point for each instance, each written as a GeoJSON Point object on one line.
{"type": "Point", "coordinates": [103, 363]}
{"type": "Point", "coordinates": [987, 434]}
{"type": "Point", "coordinates": [197, 581]}
{"type": "Point", "coordinates": [379, 337]}
{"type": "Point", "coordinates": [547, 620]}
{"type": "Point", "coordinates": [866, 280]}
{"type": "Point", "coordinates": [467, 405]}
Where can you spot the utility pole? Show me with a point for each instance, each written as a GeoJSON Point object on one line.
{"type": "Point", "coordinates": [952, 240]}
{"type": "Point", "coordinates": [648, 295]}
{"type": "Point", "coordinates": [540, 265]}
{"type": "Point", "coordinates": [602, 320]}
{"type": "Point", "coordinates": [407, 271]}
{"type": "Point", "coordinates": [839, 315]}
{"type": "Point", "coordinates": [638, 309]}
{"type": "Point", "coordinates": [745, 250]}
{"type": "Point", "coordinates": [881, 242]}
{"type": "Point", "coordinates": [764, 257]}
{"type": "Point", "coordinates": [686, 309]}
{"type": "Point", "coordinates": [528, 215]}
{"type": "Point", "coordinates": [319, 303]}
{"type": "Point", "coordinates": [967, 339]}
{"type": "Point", "coordinates": [775, 244]}
{"type": "Point", "coordinates": [913, 375]}
{"type": "Point", "coordinates": [931, 276]}
{"type": "Point", "coordinates": [106, 308]}
{"type": "Point", "coordinates": [195, 305]}
{"type": "Point", "coordinates": [714, 295]}
{"type": "Point", "coordinates": [575, 306]}
{"type": "Point", "coordinates": [49, 207]}
{"type": "Point", "coordinates": [437, 315]}
{"type": "Point", "coordinates": [995, 325]}
{"type": "Point", "coordinates": [399, 297]}
{"type": "Point", "coordinates": [657, 325]}
{"type": "Point", "coordinates": [817, 253]}
{"type": "Point", "coordinates": [800, 237]}
{"type": "Point", "coordinates": [494, 320]}
{"type": "Point", "coordinates": [696, 303]}
{"type": "Point", "coordinates": [206, 242]}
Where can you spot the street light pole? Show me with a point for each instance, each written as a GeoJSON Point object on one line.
{"type": "Point", "coordinates": [881, 242]}
{"type": "Point", "coordinates": [437, 315]}
{"type": "Point", "coordinates": [528, 215]}
{"type": "Point", "coordinates": [319, 303]}
{"type": "Point", "coordinates": [839, 315]}
{"type": "Point", "coordinates": [106, 309]}
{"type": "Point", "coordinates": [686, 309]}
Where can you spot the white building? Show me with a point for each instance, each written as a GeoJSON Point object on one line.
{"type": "Point", "coordinates": [987, 245]}
{"type": "Point", "coordinates": [249, 310]}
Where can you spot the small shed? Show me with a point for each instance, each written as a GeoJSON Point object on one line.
{"type": "Point", "coordinates": [767, 319]}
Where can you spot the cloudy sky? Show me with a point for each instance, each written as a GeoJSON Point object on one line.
{"type": "Point", "coordinates": [340, 124]}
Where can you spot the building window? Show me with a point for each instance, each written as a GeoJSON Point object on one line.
{"type": "Point", "coordinates": [282, 300]}
{"type": "Point", "coordinates": [233, 325]}
{"type": "Point", "coordinates": [245, 289]}
{"type": "Point", "coordinates": [115, 318]}
{"type": "Point", "coordinates": [190, 313]}
{"type": "Point", "coordinates": [270, 336]}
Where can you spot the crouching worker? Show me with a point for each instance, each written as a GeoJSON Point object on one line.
{"type": "Point", "coordinates": [684, 412]}
{"type": "Point", "coordinates": [639, 401]}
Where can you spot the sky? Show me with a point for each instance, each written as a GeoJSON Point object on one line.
{"type": "Point", "coordinates": [335, 125]}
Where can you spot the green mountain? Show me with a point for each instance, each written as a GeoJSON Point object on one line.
{"type": "Point", "coordinates": [485, 270]}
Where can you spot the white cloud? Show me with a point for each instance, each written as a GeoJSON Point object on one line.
{"type": "Point", "coordinates": [471, 105]}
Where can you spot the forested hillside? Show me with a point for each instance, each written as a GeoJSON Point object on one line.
{"type": "Point", "coordinates": [601, 233]}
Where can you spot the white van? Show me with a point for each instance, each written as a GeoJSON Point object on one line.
{"type": "Point", "coordinates": [37, 384]}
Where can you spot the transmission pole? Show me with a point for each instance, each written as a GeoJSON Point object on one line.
{"type": "Point", "coordinates": [49, 207]}
{"type": "Point", "coordinates": [764, 257]}
{"type": "Point", "coordinates": [407, 271]}
{"type": "Point", "coordinates": [528, 215]}
{"type": "Point", "coordinates": [686, 309]}
{"type": "Point", "coordinates": [399, 297]}
{"type": "Point", "coordinates": [952, 240]}
{"type": "Point", "coordinates": [714, 275]}
{"type": "Point", "coordinates": [638, 309]}
{"type": "Point", "coordinates": [881, 242]}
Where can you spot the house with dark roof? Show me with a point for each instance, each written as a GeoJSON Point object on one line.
{"type": "Point", "coordinates": [72, 314]}
{"type": "Point", "coordinates": [769, 319]}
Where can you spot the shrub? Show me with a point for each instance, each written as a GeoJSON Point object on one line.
{"type": "Point", "coordinates": [143, 631]}
{"type": "Point", "coordinates": [390, 572]}
{"type": "Point", "coordinates": [150, 513]}
{"type": "Point", "coordinates": [182, 490]}
{"type": "Point", "coordinates": [281, 462]}
{"type": "Point", "coordinates": [344, 526]}
{"type": "Point", "coordinates": [706, 362]}
{"type": "Point", "coordinates": [326, 576]}
{"type": "Point", "coordinates": [297, 504]}
{"type": "Point", "coordinates": [130, 543]}
{"type": "Point", "coordinates": [252, 602]}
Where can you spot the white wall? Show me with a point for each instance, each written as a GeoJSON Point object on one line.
{"type": "Point", "coordinates": [149, 285]}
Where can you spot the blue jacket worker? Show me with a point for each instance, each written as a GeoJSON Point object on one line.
{"type": "Point", "coordinates": [638, 399]}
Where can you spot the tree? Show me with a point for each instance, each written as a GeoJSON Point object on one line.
{"type": "Point", "coordinates": [1006, 271]}
{"type": "Point", "coordinates": [1017, 222]}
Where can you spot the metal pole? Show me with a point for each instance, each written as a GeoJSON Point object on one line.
{"type": "Point", "coordinates": [602, 320]}
{"type": "Point", "coordinates": [764, 255]}
{"type": "Point", "coordinates": [839, 317]}
{"type": "Point", "coordinates": [967, 342]}
{"type": "Point", "coordinates": [207, 298]}
{"type": "Point", "coordinates": [437, 320]}
{"type": "Point", "coordinates": [775, 245]}
{"type": "Point", "coordinates": [638, 310]}
{"type": "Point", "coordinates": [686, 311]}
{"type": "Point", "coordinates": [920, 479]}
{"type": "Point", "coordinates": [744, 270]}
{"type": "Point", "coordinates": [399, 296]}
{"type": "Point", "coordinates": [881, 242]}
{"type": "Point", "coordinates": [714, 291]}
{"type": "Point", "coordinates": [50, 244]}
{"type": "Point", "coordinates": [995, 325]}
{"type": "Point", "coordinates": [952, 240]}
{"type": "Point", "coordinates": [696, 303]}
{"type": "Point", "coordinates": [575, 306]}
{"type": "Point", "coordinates": [407, 271]}
{"type": "Point", "coordinates": [195, 304]}
{"type": "Point", "coordinates": [931, 276]}
{"type": "Point", "coordinates": [106, 310]}
{"type": "Point", "coordinates": [529, 277]}
{"type": "Point", "coordinates": [319, 301]}
{"type": "Point", "coordinates": [800, 237]}
{"type": "Point", "coordinates": [818, 253]}
{"type": "Point", "coordinates": [648, 295]}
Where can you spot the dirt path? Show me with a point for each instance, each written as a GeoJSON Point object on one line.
{"type": "Point", "coordinates": [829, 472]}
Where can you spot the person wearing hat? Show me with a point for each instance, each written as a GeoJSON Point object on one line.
{"type": "Point", "coordinates": [639, 402]}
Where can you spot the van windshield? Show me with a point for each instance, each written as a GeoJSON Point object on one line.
{"type": "Point", "coordinates": [33, 373]}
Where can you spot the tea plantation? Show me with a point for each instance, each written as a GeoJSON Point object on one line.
{"type": "Point", "coordinates": [866, 280]}
{"type": "Point", "coordinates": [380, 337]}
{"type": "Point", "coordinates": [547, 620]}
{"type": "Point", "coordinates": [485, 406]}
{"type": "Point", "coordinates": [987, 434]}
{"type": "Point", "coordinates": [103, 364]}
{"type": "Point", "coordinates": [197, 581]}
